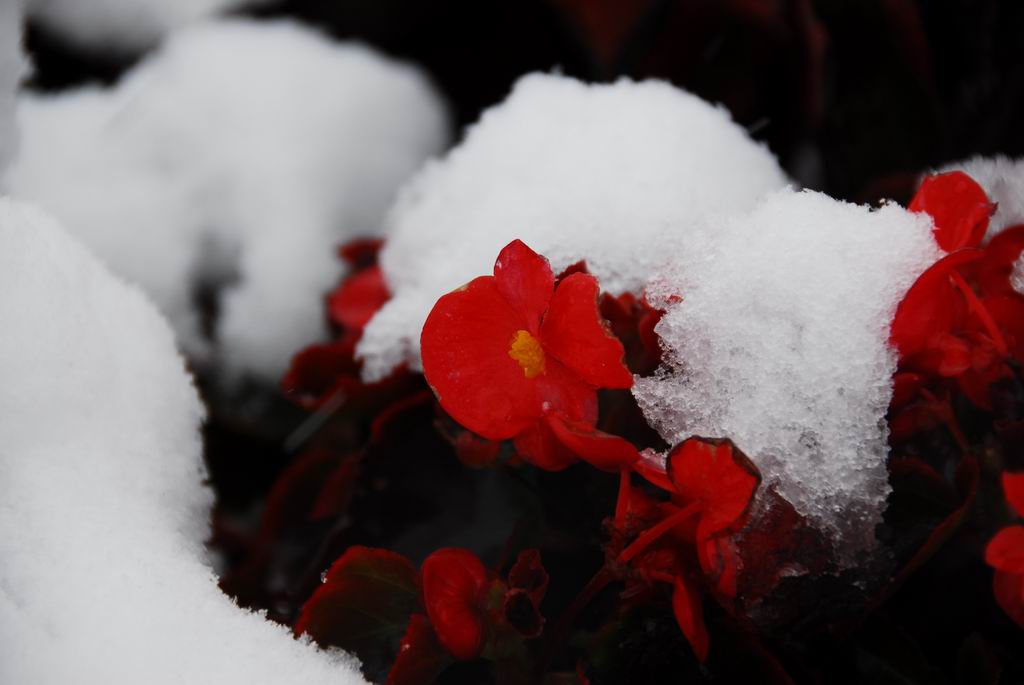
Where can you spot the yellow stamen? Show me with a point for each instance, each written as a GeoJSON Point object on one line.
{"type": "Point", "coordinates": [526, 350]}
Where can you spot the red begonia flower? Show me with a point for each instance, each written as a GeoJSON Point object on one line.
{"type": "Point", "coordinates": [957, 205]}
{"type": "Point", "coordinates": [358, 298]}
{"type": "Point", "coordinates": [1006, 550]}
{"type": "Point", "coordinates": [930, 311]}
{"type": "Point", "coordinates": [686, 604]}
{"type": "Point", "coordinates": [1008, 589]}
{"type": "Point", "coordinates": [528, 574]}
{"type": "Point", "coordinates": [454, 582]}
{"type": "Point", "coordinates": [992, 272]}
{"type": "Point", "coordinates": [719, 477]}
{"type": "Point", "coordinates": [506, 349]}
{"type": "Point", "coordinates": [1013, 488]}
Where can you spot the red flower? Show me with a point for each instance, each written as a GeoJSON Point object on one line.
{"type": "Point", "coordinates": [454, 583]}
{"type": "Point", "coordinates": [958, 206]}
{"type": "Point", "coordinates": [1005, 553]}
{"type": "Point", "coordinates": [712, 484]}
{"type": "Point", "coordinates": [512, 356]}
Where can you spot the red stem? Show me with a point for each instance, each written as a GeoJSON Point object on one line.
{"type": "Point", "coordinates": [622, 502]}
{"type": "Point", "coordinates": [654, 532]}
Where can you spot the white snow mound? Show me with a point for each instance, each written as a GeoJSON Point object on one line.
{"type": "Point", "coordinates": [780, 342]}
{"type": "Point", "coordinates": [237, 157]}
{"type": "Point", "coordinates": [123, 26]}
{"type": "Point", "coordinates": [102, 571]}
{"type": "Point", "coordinates": [1003, 181]}
{"type": "Point", "coordinates": [605, 173]}
{"type": "Point", "coordinates": [13, 66]}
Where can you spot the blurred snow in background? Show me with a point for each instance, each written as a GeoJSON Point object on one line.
{"type": "Point", "coordinates": [780, 341]}
{"type": "Point", "coordinates": [13, 66]}
{"type": "Point", "coordinates": [606, 173]}
{"type": "Point", "coordinates": [103, 576]}
{"type": "Point", "coordinates": [232, 162]}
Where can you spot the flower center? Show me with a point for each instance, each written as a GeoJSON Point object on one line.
{"type": "Point", "coordinates": [526, 350]}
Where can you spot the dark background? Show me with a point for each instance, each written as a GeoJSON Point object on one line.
{"type": "Point", "coordinates": [854, 96]}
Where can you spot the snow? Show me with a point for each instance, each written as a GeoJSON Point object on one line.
{"type": "Point", "coordinates": [604, 173]}
{"type": "Point", "coordinates": [102, 571]}
{"type": "Point", "coordinates": [1003, 181]}
{"type": "Point", "coordinates": [123, 26]}
{"type": "Point", "coordinates": [1017, 277]}
{"type": "Point", "coordinates": [12, 68]}
{"type": "Point", "coordinates": [780, 342]}
{"type": "Point", "coordinates": [235, 159]}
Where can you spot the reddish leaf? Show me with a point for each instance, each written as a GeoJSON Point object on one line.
{"type": "Point", "coordinates": [454, 582]}
{"type": "Point", "coordinates": [719, 476]}
{"type": "Point", "coordinates": [1008, 589]}
{"type": "Point", "coordinates": [602, 450]}
{"type": "Point", "coordinates": [291, 500]}
{"type": "Point", "coordinates": [364, 603]}
{"type": "Point", "coordinates": [525, 280]}
{"type": "Point", "coordinates": [421, 658]}
{"type": "Point", "coordinates": [958, 206]}
{"type": "Point", "coordinates": [1013, 488]}
{"type": "Point", "coordinates": [906, 386]}
{"type": "Point", "coordinates": [686, 604]}
{"type": "Point", "coordinates": [574, 333]}
{"type": "Point", "coordinates": [1005, 551]}
{"type": "Point", "coordinates": [465, 347]}
{"type": "Point", "coordinates": [528, 574]}
{"type": "Point", "coordinates": [358, 298]}
{"type": "Point", "coordinates": [336, 491]}
{"type": "Point", "coordinates": [319, 372]}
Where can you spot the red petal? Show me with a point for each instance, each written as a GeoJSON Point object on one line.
{"type": "Point", "coordinates": [539, 446]}
{"type": "Point", "coordinates": [361, 252]}
{"type": "Point", "coordinates": [993, 271]}
{"type": "Point", "coordinates": [575, 334]}
{"type": "Point", "coordinates": [474, 451]}
{"type": "Point", "coordinates": [421, 658]}
{"type": "Point", "coordinates": [358, 298]}
{"type": "Point", "coordinates": [454, 581]}
{"type": "Point", "coordinates": [364, 586]}
{"type": "Point", "coordinates": [465, 346]}
{"type": "Point", "coordinates": [602, 450]}
{"type": "Point", "coordinates": [719, 559]}
{"type": "Point", "coordinates": [1007, 311]}
{"type": "Point", "coordinates": [905, 388]}
{"type": "Point", "coordinates": [1006, 550]}
{"type": "Point", "coordinates": [958, 206]}
{"type": "Point", "coordinates": [1013, 488]}
{"type": "Point", "coordinates": [719, 476]}
{"type": "Point", "coordinates": [686, 605]}
{"type": "Point", "coordinates": [564, 392]}
{"type": "Point", "coordinates": [1008, 589]}
{"type": "Point", "coordinates": [652, 467]}
{"type": "Point", "coordinates": [525, 279]}
{"type": "Point", "coordinates": [955, 355]}
{"type": "Point", "coordinates": [931, 308]}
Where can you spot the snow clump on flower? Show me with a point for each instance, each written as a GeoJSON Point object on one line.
{"type": "Point", "coordinates": [777, 336]}
{"type": "Point", "coordinates": [605, 173]}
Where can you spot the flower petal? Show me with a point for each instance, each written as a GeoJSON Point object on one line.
{"type": "Point", "coordinates": [454, 581]}
{"type": "Point", "coordinates": [526, 281]}
{"type": "Point", "coordinates": [602, 450]}
{"type": "Point", "coordinates": [932, 307]}
{"type": "Point", "coordinates": [358, 298]}
{"type": "Point", "coordinates": [686, 605]}
{"type": "Point", "coordinates": [992, 272]}
{"type": "Point", "coordinates": [1006, 550]}
{"type": "Point", "coordinates": [420, 656]}
{"type": "Point", "coordinates": [465, 347]}
{"type": "Point", "coordinates": [718, 475]}
{"type": "Point", "coordinates": [958, 206]}
{"type": "Point", "coordinates": [1013, 488]}
{"type": "Point", "coordinates": [538, 445]}
{"type": "Point", "coordinates": [574, 333]}
{"type": "Point", "coordinates": [1008, 589]}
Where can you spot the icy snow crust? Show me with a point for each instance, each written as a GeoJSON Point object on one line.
{"type": "Point", "coordinates": [606, 173]}
{"type": "Point", "coordinates": [123, 26]}
{"type": "Point", "coordinates": [238, 157]}
{"type": "Point", "coordinates": [1003, 181]}
{"type": "Point", "coordinates": [102, 578]}
{"type": "Point", "coordinates": [780, 342]}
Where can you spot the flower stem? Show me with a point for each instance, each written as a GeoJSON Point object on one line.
{"type": "Point", "coordinates": [654, 532]}
{"type": "Point", "coordinates": [623, 500]}
{"type": "Point", "coordinates": [556, 638]}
